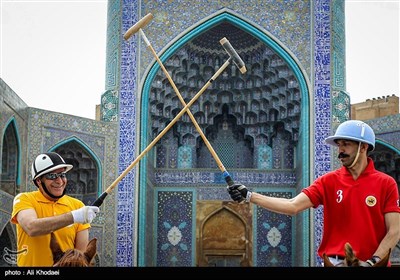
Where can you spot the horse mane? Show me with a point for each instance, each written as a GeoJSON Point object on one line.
{"type": "Point", "coordinates": [72, 257]}
{"type": "Point", "coordinates": [351, 260]}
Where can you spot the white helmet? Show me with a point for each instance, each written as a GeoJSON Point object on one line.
{"type": "Point", "coordinates": [47, 162]}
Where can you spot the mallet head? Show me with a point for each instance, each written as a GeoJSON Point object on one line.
{"type": "Point", "coordinates": [141, 23]}
{"type": "Point", "coordinates": [233, 54]}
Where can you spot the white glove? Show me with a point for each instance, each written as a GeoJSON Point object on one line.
{"type": "Point", "coordinates": [85, 214]}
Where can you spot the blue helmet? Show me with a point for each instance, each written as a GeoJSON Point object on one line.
{"type": "Point", "coordinates": [353, 130]}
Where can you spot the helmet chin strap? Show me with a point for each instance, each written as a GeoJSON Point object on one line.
{"type": "Point", "coordinates": [358, 154]}
{"type": "Point", "coordinates": [49, 194]}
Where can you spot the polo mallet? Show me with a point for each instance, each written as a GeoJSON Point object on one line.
{"type": "Point", "coordinates": [138, 26]}
{"type": "Point", "coordinates": [232, 56]}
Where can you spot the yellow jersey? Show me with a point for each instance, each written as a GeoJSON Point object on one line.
{"type": "Point", "coordinates": [35, 251]}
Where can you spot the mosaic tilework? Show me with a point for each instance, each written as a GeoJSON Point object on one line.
{"type": "Point", "coordinates": [322, 101]}
{"type": "Point", "coordinates": [338, 46]}
{"type": "Point", "coordinates": [273, 236]}
{"type": "Point", "coordinates": [387, 129]}
{"type": "Point", "coordinates": [55, 134]}
{"type": "Point", "coordinates": [288, 21]}
{"type": "Point", "coordinates": [340, 107]}
{"type": "Point", "coordinates": [57, 127]}
{"type": "Point", "coordinates": [219, 193]}
{"type": "Point", "coordinates": [174, 228]}
{"type": "Point", "coordinates": [10, 163]}
{"type": "Point", "coordinates": [127, 139]}
{"type": "Point", "coordinates": [184, 157]}
{"type": "Point", "coordinates": [264, 159]}
{"type": "Point", "coordinates": [393, 138]}
{"type": "Point", "coordinates": [110, 98]}
{"type": "Point", "coordinates": [196, 177]}
{"type": "Point", "coordinates": [113, 44]}
{"type": "Point", "coordinates": [96, 231]}
{"type": "Point", "coordinates": [6, 202]}
{"type": "Point", "coordinates": [109, 105]}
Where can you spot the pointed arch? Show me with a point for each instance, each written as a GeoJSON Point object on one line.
{"type": "Point", "coordinates": [387, 145]}
{"type": "Point", "coordinates": [85, 178]}
{"type": "Point", "coordinates": [225, 15]}
{"type": "Point", "coordinates": [11, 158]}
{"type": "Point", "coordinates": [223, 234]}
{"type": "Point", "coordinates": [387, 159]}
{"type": "Point", "coordinates": [301, 80]}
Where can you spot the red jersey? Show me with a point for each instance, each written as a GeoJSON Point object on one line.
{"type": "Point", "coordinates": [354, 209]}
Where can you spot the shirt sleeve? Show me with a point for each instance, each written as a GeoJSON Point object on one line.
{"type": "Point", "coordinates": [315, 192]}
{"type": "Point", "coordinates": [392, 198]}
{"type": "Point", "coordinates": [21, 202]}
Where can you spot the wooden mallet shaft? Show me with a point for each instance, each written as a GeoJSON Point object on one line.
{"type": "Point", "coordinates": [101, 198]}
{"type": "Point", "coordinates": [138, 27]}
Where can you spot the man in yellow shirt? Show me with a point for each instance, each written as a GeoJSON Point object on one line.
{"type": "Point", "coordinates": [38, 213]}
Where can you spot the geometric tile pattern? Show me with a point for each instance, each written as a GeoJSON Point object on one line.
{"type": "Point", "coordinates": [322, 99]}
{"type": "Point", "coordinates": [387, 129]}
{"type": "Point", "coordinates": [126, 14]}
{"type": "Point", "coordinates": [287, 20]}
{"type": "Point", "coordinates": [274, 235]}
{"type": "Point", "coordinates": [109, 106]}
{"type": "Point", "coordinates": [199, 177]}
{"type": "Point", "coordinates": [340, 107]}
{"type": "Point", "coordinates": [338, 45]}
{"type": "Point", "coordinates": [174, 228]}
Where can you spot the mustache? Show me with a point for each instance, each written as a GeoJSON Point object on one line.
{"type": "Point", "coordinates": [343, 155]}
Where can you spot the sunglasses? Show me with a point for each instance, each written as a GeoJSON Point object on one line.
{"type": "Point", "coordinates": [54, 176]}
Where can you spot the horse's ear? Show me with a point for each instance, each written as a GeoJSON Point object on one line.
{"type": "Point", "coordinates": [91, 250]}
{"type": "Point", "coordinates": [55, 248]}
{"type": "Point", "coordinates": [327, 262]}
{"type": "Point", "coordinates": [384, 261]}
{"type": "Point", "coordinates": [351, 258]}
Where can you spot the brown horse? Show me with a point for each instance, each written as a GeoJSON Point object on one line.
{"type": "Point", "coordinates": [352, 260]}
{"type": "Point", "coordinates": [73, 257]}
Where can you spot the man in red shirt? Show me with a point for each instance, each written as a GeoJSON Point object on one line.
{"type": "Point", "coordinates": [361, 204]}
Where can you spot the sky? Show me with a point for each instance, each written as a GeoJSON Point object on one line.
{"type": "Point", "coordinates": [53, 53]}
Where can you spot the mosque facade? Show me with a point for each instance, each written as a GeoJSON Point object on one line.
{"type": "Point", "coordinates": [265, 128]}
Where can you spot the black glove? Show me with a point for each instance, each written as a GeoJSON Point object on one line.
{"type": "Point", "coordinates": [239, 192]}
